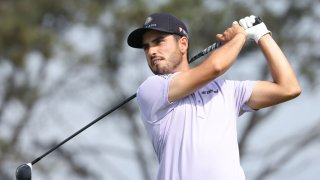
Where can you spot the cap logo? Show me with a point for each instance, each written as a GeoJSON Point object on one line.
{"type": "Point", "coordinates": [181, 30]}
{"type": "Point", "coordinates": [148, 20]}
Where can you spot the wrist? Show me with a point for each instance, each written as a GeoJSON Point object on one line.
{"type": "Point", "coordinates": [241, 35]}
{"type": "Point", "coordinates": [259, 31]}
{"type": "Point", "coordinates": [265, 38]}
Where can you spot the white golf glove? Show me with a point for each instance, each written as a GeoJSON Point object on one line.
{"type": "Point", "coordinates": [255, 32]}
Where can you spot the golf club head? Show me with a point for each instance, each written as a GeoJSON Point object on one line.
{"type": "Point", "coordinates": [23, 172]}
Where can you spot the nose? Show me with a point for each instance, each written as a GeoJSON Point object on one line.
{"type": "Point", "coordinates": [152, 50]}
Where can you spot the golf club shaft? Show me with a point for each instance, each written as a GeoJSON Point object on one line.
{"type": "Point", "coordinates": [205, 51]}
{"type": "Point", "coordinates": [85, 127]}
{"type": "Point", "coordinates": [200, 54]}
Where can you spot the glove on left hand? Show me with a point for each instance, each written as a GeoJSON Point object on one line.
{"type": "Point", "coordinates": [255, 32]}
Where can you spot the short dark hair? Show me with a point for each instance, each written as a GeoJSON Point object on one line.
{"type": "Point", "coordinates": [177, 37]}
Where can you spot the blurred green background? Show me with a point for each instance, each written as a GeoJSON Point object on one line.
{"type": "Point", "coordinates": [63, 63]}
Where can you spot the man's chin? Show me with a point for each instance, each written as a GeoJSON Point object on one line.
{"type": "Point", "coordinates": [160, 72]}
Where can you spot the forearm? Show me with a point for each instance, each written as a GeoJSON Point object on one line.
{"type": "Point", "coordinates": [285, 84]}
{"type": "Point", "coordinates": [280, 69]}
{"type": "Point", "coordinates": [222, 59]}
{"type": "Point", "coordinates": [216, 64]}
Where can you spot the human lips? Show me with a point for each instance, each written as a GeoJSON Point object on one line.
{"type": "Point", "coordinates": [156, 60]}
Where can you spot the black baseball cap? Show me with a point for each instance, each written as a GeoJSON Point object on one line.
{"type": "Point", "coordinates": [158, 21]}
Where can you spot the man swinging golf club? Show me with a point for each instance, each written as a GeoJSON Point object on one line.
{"type": "Point", "coordinates": [189, 113]}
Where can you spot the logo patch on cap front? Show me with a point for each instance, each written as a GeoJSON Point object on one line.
{"type": "Point", "coordinates": [148, 20]}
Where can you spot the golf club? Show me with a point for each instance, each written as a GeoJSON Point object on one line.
{"type": "Point", "coordinates": [24, 171]}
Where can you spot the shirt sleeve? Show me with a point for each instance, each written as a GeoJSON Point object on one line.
{"type": "Point", "coordinates": [152, 98]}
{"type": "Point", "coordinates": [242, 93]}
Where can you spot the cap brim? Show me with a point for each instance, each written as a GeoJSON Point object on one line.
{"type": "Point", "coordinates": [135, 37]}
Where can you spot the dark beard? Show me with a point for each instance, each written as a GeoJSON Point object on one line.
{"type": "Point", "coordinates": [161, 71]}
{"type": "Point", "coordinates": [166, 69]}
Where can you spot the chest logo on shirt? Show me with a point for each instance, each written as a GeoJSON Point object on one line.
{"type": "Point", "coordinates": [210, 91]}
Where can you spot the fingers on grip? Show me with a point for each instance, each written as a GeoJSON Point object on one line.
{"type": "Point", "coordinates": [243, 23]}
{"type": "Point", "coordinates": [247, 22]}
{"type": "Point", "coordinates": [219, 37]}
{"type": "Point", "coordinates": [253, 19]}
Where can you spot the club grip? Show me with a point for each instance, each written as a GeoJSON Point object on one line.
{"type": "Point", "coordinates": [257, 21]}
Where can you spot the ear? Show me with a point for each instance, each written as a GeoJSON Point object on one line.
{"type": "Point", "coordinates": [183, 44]}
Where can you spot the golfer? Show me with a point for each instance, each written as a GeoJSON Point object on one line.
{"type": "Point", "coordinates": [191, 114]}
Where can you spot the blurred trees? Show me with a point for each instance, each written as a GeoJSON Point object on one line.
{"type": "Point", "coordinates": [53, 82]}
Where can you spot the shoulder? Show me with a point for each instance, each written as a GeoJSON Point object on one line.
{"type": "Point", "coordinates": [154, 80]}
{"type": "Point", "coordinates": [154, 84]}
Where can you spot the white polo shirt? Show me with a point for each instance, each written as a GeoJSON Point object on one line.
{"type": "Point", "coordinates": [195, 138]}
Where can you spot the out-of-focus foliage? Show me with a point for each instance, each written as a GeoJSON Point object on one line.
{"type": "Point", "coordinates": [30, 28]}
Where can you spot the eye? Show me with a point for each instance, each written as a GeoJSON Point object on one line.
{"type": "Point", "coordinates": [158, 41]}
{"type": "Point", "coordinates": [145, 47]}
